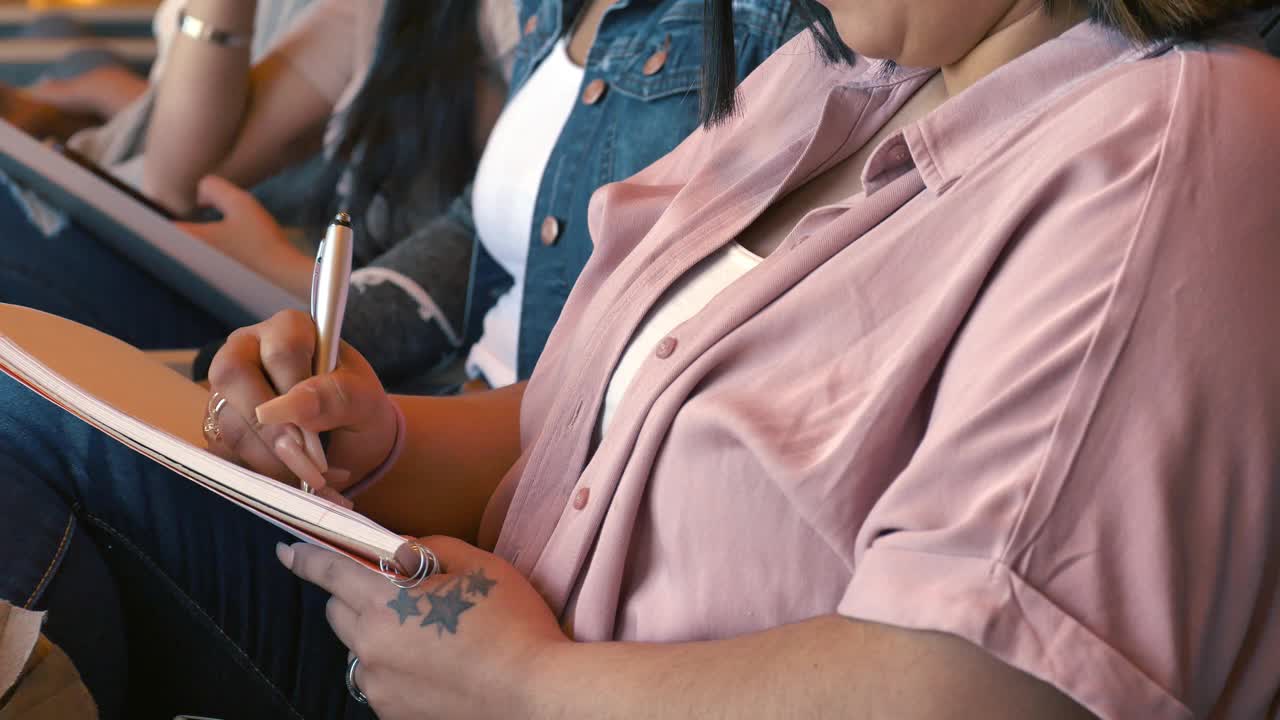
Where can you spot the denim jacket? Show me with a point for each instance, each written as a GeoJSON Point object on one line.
{"type": "Point", "coordinates": [648, 53]}
{"type": "Point", "coordinates": [639, 99]}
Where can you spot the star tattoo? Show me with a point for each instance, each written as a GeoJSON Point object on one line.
{"type": "Point", "coordinates": [445, 609]}
{"type": "Point", "coordinates": [479, 584]}
{"type": "Point", "coordinates": [405, 605]}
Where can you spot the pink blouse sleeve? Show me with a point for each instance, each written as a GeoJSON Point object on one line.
{"type": "Point", "coordinates": [1095, 498]}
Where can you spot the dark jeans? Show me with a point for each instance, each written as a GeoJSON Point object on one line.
{"type": "Point", "coordinates": [168, 598]}
{"type": "Point", "coordinates": [73, 275]}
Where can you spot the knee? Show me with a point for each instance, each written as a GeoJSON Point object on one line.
{"type": "Point", "coordinates": [44, 453]}
{"type": "Point", "coordinates": [28, 422]}
{"type": "Point", "coordinates": [85, 619]}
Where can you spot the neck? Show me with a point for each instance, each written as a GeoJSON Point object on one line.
{"type": "Point", "coordinates": [1021, 30]}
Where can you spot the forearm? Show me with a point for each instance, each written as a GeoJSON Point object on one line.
{"type": "Point", "coordinates": [826, 667]}
{"type": "Point", "coordinates": [200, 104]}
{"type": "Point", "coordinates": [407, 312]}
{"type": "Point", "coordinates": [457, 450]}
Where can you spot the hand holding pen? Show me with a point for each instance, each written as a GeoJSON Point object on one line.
{"type": "Point", "coordinates": [302, 359]}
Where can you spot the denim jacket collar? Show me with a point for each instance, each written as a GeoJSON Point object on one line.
{"type": "Point", "coordinates": [544, 22]}
{"type": "Point", "coordinates": [647, 56]}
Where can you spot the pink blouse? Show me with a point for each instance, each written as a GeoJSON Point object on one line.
{"type": "Point", "coordinates": [1025, 389]}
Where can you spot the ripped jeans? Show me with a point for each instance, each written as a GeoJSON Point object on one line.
{"type": "Point", "coordinates": [168, 598]}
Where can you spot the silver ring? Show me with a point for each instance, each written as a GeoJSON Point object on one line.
{"type": "Point", "coordinates": [212, 428]}
{"type": "Point", "coordinates": [351, 682]}
{"type": "Point", "coordinates": [428, 565]}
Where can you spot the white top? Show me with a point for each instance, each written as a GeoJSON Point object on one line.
{"type": "Point", "coordinates": [504, 195]}
{"type": "Point", "coordinates": [686, 298]}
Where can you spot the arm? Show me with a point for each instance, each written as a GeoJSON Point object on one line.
{"type": "Point", "coordinates": [39, 118]}
{"type": "Point", "coordinates": [248, 233]}
{"type": "Point", "coordinates": [214, 114]}
{"type": "Point", "coordinates": [456, 451]}
{"type": "Point", "coordinates": [479, 642]}
{"type": "Point", "coordinates": [101, 92]}
{"type": "Point", "coordinates": [416, 305]}
{"type": "Point", "coordinates": [826, 667]}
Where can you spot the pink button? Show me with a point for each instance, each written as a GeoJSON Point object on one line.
{"type": "Point", "coordinates": [665, 347]}
{"type": "Point", "coordinates": [580, 498]}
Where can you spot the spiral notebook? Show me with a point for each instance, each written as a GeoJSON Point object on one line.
{"type": "Point", "coordinates": [157, 412]}
{"type": "Point", "coordinates": [211, 280]}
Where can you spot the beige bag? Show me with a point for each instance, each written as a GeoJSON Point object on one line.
{"type": "Point", "coordinates": [37, 679]}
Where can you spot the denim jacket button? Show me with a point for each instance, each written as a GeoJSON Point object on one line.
{"type": "Point", "coordinates": [654, 64]}
{"type": "Point", "coordinates": [550, 232]}
{"type": "Point", "coordinates": [594, 91]}
{"type": "Point", "coordinates": [531, 24]}
{"type": "Point", "coordinates": [658, 59]}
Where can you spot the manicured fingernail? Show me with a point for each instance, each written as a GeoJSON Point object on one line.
{"type": "Point", "coordinates": [300, 403]}
{"type": "Point", "coordinates": [285, 554]}
{"type": "Point", "coordinates": [271, 411]}
{"type": "Point", "coordinates": [315, 449]}
{"type": "Point", "coordinates": [290, 451]}
{"type": "Point", "coordinates": [289, 442]}
{"type": "Point", "coordinates": [310, 443]}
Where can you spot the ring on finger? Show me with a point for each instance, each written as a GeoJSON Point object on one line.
{"type": "Point", "coordinates": [352, 688]}
{"type": "Point", "coordinates": [212, 428]}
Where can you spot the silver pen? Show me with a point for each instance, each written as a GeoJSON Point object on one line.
{"type": "Point", "coordinates": [329, 285]}
{"type": "Point", "coordinates": [330, 281]}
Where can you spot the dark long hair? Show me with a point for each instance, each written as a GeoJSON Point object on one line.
{"type": "Point", "coordinates": [414, 116]}
{"type": "Point", "coordinates": [719, 70]}
{"type": "Point", "coordinates": [1142, 20]}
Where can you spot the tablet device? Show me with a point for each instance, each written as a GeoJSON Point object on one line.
{"type": "Point", "coordinates": [112, 180]}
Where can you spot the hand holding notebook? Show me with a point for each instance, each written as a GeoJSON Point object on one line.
{"type": "Point", "coordinates": [157, 412]}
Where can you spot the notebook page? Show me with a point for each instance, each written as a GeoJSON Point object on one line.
{"type": "Point", "coordinates": [307, 516]}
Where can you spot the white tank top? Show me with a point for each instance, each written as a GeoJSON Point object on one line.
{"type": "Point", "coordinates": [505, 192]}
{"type": "Point", "coordinates": [686, 298]}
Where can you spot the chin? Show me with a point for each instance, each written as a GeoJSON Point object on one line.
{"type": "Point", "coordinates": [870, 39]}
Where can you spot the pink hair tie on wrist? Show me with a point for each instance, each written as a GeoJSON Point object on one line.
{"type": "Point", "coordinates": [379, 472]}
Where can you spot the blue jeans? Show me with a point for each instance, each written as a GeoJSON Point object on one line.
{"type": "Point", "coordinates": [74, 275]}
{"type": "Point", "coordinates": [168, 598]}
